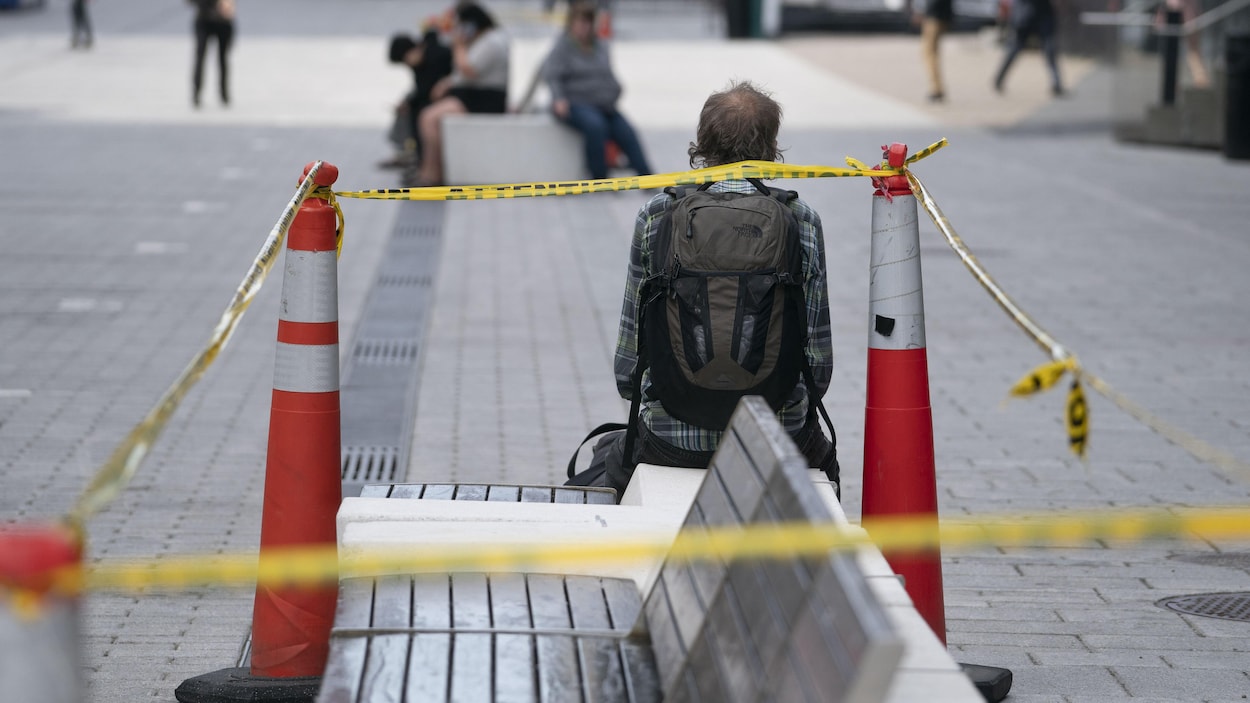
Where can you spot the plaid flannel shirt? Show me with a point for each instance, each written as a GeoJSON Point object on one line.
{"type": "Point", "coordinates": [819, 350]}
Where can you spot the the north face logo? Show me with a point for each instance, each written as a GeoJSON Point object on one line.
{"type": "Point", "coordinates": [749, 231]}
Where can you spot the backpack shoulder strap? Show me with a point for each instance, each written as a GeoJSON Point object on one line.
{"type": "Point", "coordinates": [601, 429]}
{"type": "Point", "coordinates": [783, 196]}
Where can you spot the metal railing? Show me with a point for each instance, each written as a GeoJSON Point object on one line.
{"type": "Point", "coordinates": [1170, 67]}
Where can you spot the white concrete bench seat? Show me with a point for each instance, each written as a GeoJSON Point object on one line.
{"type": "Point", "coordinates": [510, 148]}
{"type": "Point", "coordinates": [835, 628]}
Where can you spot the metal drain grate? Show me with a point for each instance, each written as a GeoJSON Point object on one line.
{"type": "Point", "coordinates": [370, 464]}
{"type": "Point", "coordinates": [1225, 606]}
{"type": "Point", "coordinates": [404, 280]}
{"type": "Point", "coordinates": [418, 230]}
{"type": "Point", "coordinates": [385, 351]}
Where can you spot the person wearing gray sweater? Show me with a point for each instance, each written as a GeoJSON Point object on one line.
{"type": "Point", "coordinates": [584, 93]}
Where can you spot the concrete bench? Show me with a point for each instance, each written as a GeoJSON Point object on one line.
{"type": "Point", "coordinates": [510, 148]}
{"type": "Point", "coordinates": [821, 629]}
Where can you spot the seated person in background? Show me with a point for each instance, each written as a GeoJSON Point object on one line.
{"type": "Point", "coordinates": [478, 83]}
{"type": "Point", "coordinates": [430, 62]}
{"type": "Point", "coordinates": [584, 92]}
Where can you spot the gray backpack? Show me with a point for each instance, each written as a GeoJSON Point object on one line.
{"type": "Point", "coordinates": [724, 314]}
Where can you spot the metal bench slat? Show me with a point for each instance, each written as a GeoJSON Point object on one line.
{"type": "Point", "coordinates": [537, 494]}
{"type": "Point", "coordinates": [429, 661]}
{"type": "Point", "coordinates": [738, 474]}
{"type": "Point", "coordinates": [625, 609]}
{"type": "Point", "coordinates": [703, 671]}
{"type": "Point", "coordinates": [768, 621]}
{"type": "Point", "coordinates": [706, 573]}
{"type": "Point", "coordinates": [827, 669]}
{"type": "Point", "coordinates": [439, 491]}
{"type": "Point", "coordinates": [665, 641]}
{"type": "Point", "coordinates": [514, 654]}
{"type": "Point", "coordinates": [788, 683]}
{"type": "Point", "coordinates": [558, 670]}
{"type": "Point", "coordinates": [470, 492]}
{"type": "Point", "coordinates": [600, 659]}
{"type": "Point", "coordinates": [472, 655]}
{"type": "Point", "coordinates": [407, 490]}
{"type": "Point", "coordinates": [382, 678]}
{"type": "Point", "coordinates": [341, 682]}
{"type": "Point", "coordinates": [689, 611]}
{"type": "Point", "coordinates": [739, 663]}
{"type": "Point", "coordinates": [510, 494]}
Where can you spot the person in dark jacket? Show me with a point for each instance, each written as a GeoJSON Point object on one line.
{"type": "Point", "coordinates": [214, 19]}
{"type": "Point", "coordinates": [80, 31]}
{"type": "Point", "coordinates": [1032, 18]}
{"type": "Point", "coordinates": [584, 93]}
{"type": "Point", "coordinates": [430, 61]}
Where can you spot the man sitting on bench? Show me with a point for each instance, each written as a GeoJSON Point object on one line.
{"type": "Point", "coordinates": [725, 297]}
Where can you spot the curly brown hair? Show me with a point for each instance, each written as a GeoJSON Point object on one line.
{"type": "Point", "coordinates": [739, 123]}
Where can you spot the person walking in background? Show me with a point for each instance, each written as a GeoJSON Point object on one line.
{"type": "Point", "coordinates": [80, 28]}
{"type": "Point", "coordinates": [584, 93]}
{"type": "Point", "coordinates": [934, 22]}
{"type": "Point", "coordinates": [1032, 18]}
{"type": "Point", "coordinates": [478, 83]}
{"type": "Point", "coordinates": [214, 19]}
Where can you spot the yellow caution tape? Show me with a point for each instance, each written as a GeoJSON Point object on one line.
{"type": "Point", "coordinates": [1062, 361]}
{"type": "Point", "coordinates": [711, 174]}
{"type": "Point", "coordinates": [326, 194]}
{"type": "Point", "coordinates": [121, 466]}
{"type": "Point", "coordinates": [1205, 452]}
{"type": "Point", "coordinates": [306, 566]}
{"type": "Point", "coordinates": [1041, 378]}
{"type": "Point", "coordinates": [1077, 418]}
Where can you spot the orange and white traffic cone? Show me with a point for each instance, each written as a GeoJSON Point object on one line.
{"type": "Point", "coordinates": [40, 661]}
{"type": "Point", "coordinates": [899, 473]}
{"type": "Point", "coordinates": [899, 478]}
{"type": "Point", "coordinates": [303, 480]}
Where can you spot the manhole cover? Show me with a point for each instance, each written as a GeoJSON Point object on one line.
{"type": "Point", "coordinates": [1225, 606]}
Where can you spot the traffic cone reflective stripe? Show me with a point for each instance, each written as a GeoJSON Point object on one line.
{"type": "Point", "coordinates": [899, 477]}
{"type": "Point", "coordinates": [303, 483]}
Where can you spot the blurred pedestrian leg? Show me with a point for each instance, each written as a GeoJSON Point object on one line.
{"type": "Point", "coordinates": [1029, 18]}
{"type": "Point", "coordinates": [80, 32]}
{"type": "Point", "coordinates": [935, 22]}
{"type": "Point", "coordinates": [214, 19]}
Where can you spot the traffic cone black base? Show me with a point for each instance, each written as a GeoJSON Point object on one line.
{"type": "Point", "coordinates": [239, 686]}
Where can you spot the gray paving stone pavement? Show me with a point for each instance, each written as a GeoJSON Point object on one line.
{"type": "Point", "coordinates": [124, 236]}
